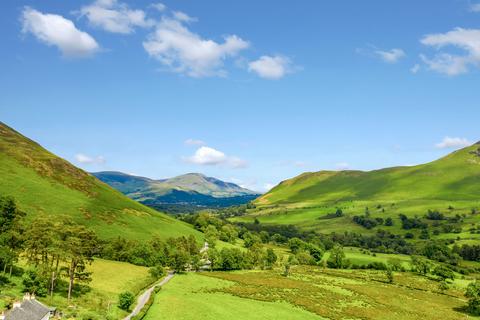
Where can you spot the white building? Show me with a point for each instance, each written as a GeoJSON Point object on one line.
{"type": "Point", "coordinates": [29, 309]}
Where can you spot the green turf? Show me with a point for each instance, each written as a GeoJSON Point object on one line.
{"type": "Point", "coordinates": [333, 294]}
{"type": "Point", "coordinates": [44, 184]}
{"type": "Point", "coordinates": [190, 296]}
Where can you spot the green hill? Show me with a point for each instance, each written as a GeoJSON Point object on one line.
{"type": "Point", "coordinates": [454, 177]}
{"type": "Point", "coordinates": [188, 190]}
{"type": "Point", "coordinates": [44, 184]}
{"type": "Point", "coordinates": [450, 185]}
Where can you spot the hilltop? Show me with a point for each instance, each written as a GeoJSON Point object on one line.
{"type": "Point", "coordinates": [46, 185]}
{"type": "Point", "coordinates": [449, 185]}
{"type": "Point", "coordinates": [454, 177]}
{"type": "Point", "coordinates": [192, 189]}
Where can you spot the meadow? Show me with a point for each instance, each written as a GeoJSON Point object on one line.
{"type": "Point", "coordinates": [318, 216]}
{"type": "Point", "coordinates": [198, 296]}
{"type": "Point", "coordinates": [308, 293]}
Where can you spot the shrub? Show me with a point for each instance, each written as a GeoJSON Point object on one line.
{"type": "Point", "coordinates": [473, 295]}
{"type": "Point", "coordinates": [125, 300]}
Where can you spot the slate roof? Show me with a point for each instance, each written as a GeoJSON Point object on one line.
{"type": "Point", "coordinates": [29, 310]}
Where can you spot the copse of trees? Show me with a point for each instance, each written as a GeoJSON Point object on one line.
{"type": "Point", "coordinates": [412, 223]}
{"type": "Point", "coordinates": [306, 252]}
{"type": "Point", "coordinates": [468, 252]}
{"type": "Point", "coordinates": [60, 249]}
{"type": "Point", "coordinates": [434, 215]}
{"type": "Point", "coordinates": [54, 250]}
{"type": "Point", "coordinates": [367, 222]}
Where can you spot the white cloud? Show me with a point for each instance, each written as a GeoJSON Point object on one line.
{"type": "Point", "coordinates": [415, 68]}
{"type": "Point", "coordinates": [84, 159]}
{"type": "Point", "coordinates": [182, 16]}
{"type": "Point", "coordinates": [183, 51]}
{"type": "Point", "coordinates": [194, 142]}
{"type": "Point", "coordinates": [55, 30]}
{"type": "Point", "coordinates": [208, 156]}
{"type": "Point", "coordinates": [448, 143]}
{"type": "Point", "coordinates": [267, 187]}
{"type": "Point", "coordinates": [211, 157]}
{"type": "Point", "coordinates": [271, 67]}
{"type": "Point", "coordinates": [116, 17]}
{"type": "Point", "coordinates": [390, 56]}
{"type": "Point", "coordinates": [342, 166]}
{"type": "Point", "coordinates": [452, 64]}
{"type": "Point", "coordinates": [475, 7]}
{"type": "Point", "coordinates": [159, 6]}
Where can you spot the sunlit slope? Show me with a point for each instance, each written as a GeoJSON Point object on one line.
{"type": "Point", "coordinates": [44, 184]}
{"type": "Point", "coordinates": [455, 177]}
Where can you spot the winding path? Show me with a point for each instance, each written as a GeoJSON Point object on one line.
{"type": "Point", "coordinates": [143, 298]}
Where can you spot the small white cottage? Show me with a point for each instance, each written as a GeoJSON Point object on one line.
{"type": "Point", "coordinates": [29, 309]}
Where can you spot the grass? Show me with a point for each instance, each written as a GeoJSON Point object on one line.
{"type": "Point", "coordinates": [305, 201]}
{"type": "Point", "coordinates": [197, 296]}
{"type": "Point", "coordinates": [314, 217]}
{"type": "Point", "coordinates": [44, 184]}
{"type": "Point", "coordinates": [346, 294]}
{"type": "Point", "coordinates": [109, 279]}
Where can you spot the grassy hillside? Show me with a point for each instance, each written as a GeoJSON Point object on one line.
{"type": "Point", "coordinates": [453, 178]}
{"type": "Point", "coordinates": [44, 184]}
{"type": "Point", "coordinates": [450, 185]}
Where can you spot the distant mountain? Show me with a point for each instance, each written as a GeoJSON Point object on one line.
{"type": "Point", "coordinates": [181, 192]}
{"type": "Point", "coordinates": [46, 185]}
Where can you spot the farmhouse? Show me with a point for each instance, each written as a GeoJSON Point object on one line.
{"type": "Point", "coordinates": [28, 309]}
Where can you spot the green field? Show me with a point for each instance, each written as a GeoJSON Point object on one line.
{"type": "Point", "coordinates": [196, 296]}
{"type": "Point", "coordinates": [309, 293]}
{"type": "Point", "coordinates": [109, 279]}
{"type": "Point", "coordinates": [45, 185]}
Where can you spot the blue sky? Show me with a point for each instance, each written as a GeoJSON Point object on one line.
{"type": "Point", "coordinates": [252, 92]}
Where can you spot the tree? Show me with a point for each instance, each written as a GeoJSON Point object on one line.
{"type": "Point", "coordinates": [228, 233]}
{"type": "Point", "coordinates": [211, 235]}
{"type": "Point", "coordinates": [157, 272]}
{"type": "Point", "coordinates": [180, 260]}
{"type": "Point", "coordinates": [125, 300]}
{"type": "Point", "coordinates": [256, 255]}
{"type": "Point", "coordinates": [80, 245]}
{"type": "Point", "coordinates": [270, 258]}
{"type": "Point", "coordinates": [288, 263]}
{"type": "Point", "coordinates": [11, 230]}
{"type": "Point", "coordinates": [473, 295]}
{"type": "Point", "coordinates": [389, 222]}
{"type": "Point", "coordinates": [34, 282]}
{"type": "Point", "coordinates": [421, 265]}
{"type": "Point", "coordinates": [295, 244]}
{"type": "Point", "coordinates": [250, 239]}
{"type": "Point", "coordinates": [444, 273]}
{"type": "Point", "coordinates": [389, 273]}
{"type": "Point", "coordinates": [337, 258]}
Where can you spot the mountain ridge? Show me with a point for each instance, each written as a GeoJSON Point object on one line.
{"type": "Point", "coordinates": [46, 185]}
{"type": "Point", "coordinates": [450, 169]}
{"type": "Point", "coordinates": [193, 189]}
